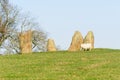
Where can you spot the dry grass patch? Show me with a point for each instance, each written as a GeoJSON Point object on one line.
{"type": "Point", "coordinates": [92, 66]}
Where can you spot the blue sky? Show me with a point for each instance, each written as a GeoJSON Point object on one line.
{"type": "Point", "coordinates": [61, 18]}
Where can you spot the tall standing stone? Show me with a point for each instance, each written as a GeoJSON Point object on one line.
{"type": "Point", "coordinates": [26, 42]}
{"type": "Point", "coordinates": [51, 45]}
{"type": "Point", "coordinates": [77, 40]}
{"type": "Point", "coordinates": [89, 38]}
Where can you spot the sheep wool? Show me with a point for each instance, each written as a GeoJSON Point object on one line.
{"type": "Point", "coordinates": [89, 38]}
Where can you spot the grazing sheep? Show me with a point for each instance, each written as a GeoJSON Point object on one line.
{"type": "Point", "coordinates": [86, 46]}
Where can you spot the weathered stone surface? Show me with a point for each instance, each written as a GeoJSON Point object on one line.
{"type": "Point", "coordinates": [51, 45]}
{"type": "Point", "coordinates": [89, 38]}
{"type": "Point", "coordinates": [26, 42]}
{"type": "Point", "coordinates": [77, 40]}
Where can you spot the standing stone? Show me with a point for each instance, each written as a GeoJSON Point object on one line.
{"type": "Point", "coordinates": [89, 38]}
{"type": "Point", "coordinates": [51, 45]}
{"type": "Point", "coordinates": [26, 42]}
{"type": "Point", "coordinates": [77, 40]}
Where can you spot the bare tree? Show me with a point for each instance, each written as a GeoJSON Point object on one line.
{"type": "Point", "coordinates": [39, 41]}
{"type": "Point", "coordinates": [8, 16]}
{"type": "Point", "coordinates": [12, 23]}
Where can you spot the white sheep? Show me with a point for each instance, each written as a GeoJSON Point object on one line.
{"type": "Point", "coordinates": [86, 46]}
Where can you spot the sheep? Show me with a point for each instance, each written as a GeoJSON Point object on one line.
{"type": "Point", "coordinates": [86, 46]}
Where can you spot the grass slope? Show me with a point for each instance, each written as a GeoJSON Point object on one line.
{"type": "Point", "coordinates": [99, 64]}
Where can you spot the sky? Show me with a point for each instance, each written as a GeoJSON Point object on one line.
{"type": "Point", "coordinates": [61, 18]}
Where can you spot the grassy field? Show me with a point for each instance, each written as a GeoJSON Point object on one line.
{"type": "Point", "coordinates": [98, 64]}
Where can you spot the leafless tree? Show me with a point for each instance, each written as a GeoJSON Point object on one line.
{"type": "Point", "coordinates": [8, 16]}
{"type": "Point", "coordinates": [12, 23]}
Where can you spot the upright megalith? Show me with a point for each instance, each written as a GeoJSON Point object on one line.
{"type": "Point", "coordinates": [77, 40]}
{"type": "Point", "coordinates": [51, 45]}
{"type": "Point", "coordinates": [89, 38]}
{"type": "Point", "coordinates": [26, 42]}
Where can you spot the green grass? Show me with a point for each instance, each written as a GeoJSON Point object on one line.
{"type": "Point", "coordinates": [98, 64]}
